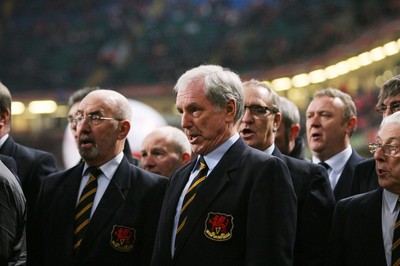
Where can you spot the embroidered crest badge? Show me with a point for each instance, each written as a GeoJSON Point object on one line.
{"type": "Point", "coordinates": [218, 226]}
{"type": "Point", "coordinates": [122, 238]}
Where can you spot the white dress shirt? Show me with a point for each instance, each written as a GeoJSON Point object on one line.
{"type": "Point", "coordinates": [390, 211]}
{"type": "Point", "coordinates": [103, 180]}
{"type": "Point", "coordinates": [336, 164]}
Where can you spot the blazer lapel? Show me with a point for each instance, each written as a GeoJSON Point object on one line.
{"type": "Point", "coordinates": [372, 212]}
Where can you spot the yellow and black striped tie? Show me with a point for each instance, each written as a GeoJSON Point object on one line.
{"type": "Point", "coordinates": [396, 240]}
{"type": "Point", "coordinates": [190, 196]}
{"type": "Point", "coordinates": [84, 206]}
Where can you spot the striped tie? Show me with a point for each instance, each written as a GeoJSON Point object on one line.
{"type": "Point", "coordinates": [396, 240]}
{"type": "Point", "coordinates": [84, 206]}
{"type": "Point", "coordinates": [190, 195]}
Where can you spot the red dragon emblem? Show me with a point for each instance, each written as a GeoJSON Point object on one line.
{"type": "Point", "coordinates": [122, 238]}
{"type": "Point", "coordinates": [219, 226]}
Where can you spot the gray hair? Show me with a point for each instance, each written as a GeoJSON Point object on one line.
{"type": "Point", "coordinates": [393, 118]}
{"type": "Point", "coordinates": [273, 96]}
{"type": "Point", "coordinates": [289, 111]}
{"type": "Point", "coordinates": [221, 85]}
{"type": "Point", "coordinates": [389, 89]}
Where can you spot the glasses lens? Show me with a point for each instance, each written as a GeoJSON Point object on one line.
{"type": "Point", "coordinates": [373, 147]}
{"type": "Point", "coordinates": [395, 107]}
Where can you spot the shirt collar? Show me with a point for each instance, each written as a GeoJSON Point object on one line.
{"type": "Point", "coordinates": [390, 199]}
{"type": "Point", "coordinates": [270, 149]}
{"type": "Point", "coordinates": [338, 161]}
{"type": "Point", "coordinates": [110, 167]}
{"type": "Point", "coordinates": [3, 139]}
{"type": "Point", "coordinates": [215, 156]}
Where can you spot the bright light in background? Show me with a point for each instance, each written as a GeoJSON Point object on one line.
{"type": "Point", "coordinates": [42, 107]}
{"type": "Point", "coordinates": [317, 76]}
{"type": "Point", "coordinates": [17, 108]}
{"type": "Point", "coordinates": [300, 80]}
{"type": "Point", "coordinates": [364, 59]}
{"type": "Point", "coordinates": [391, 48]}
{"type": "Point", "coordinates": [338, 69]}
{"type": "Point", "coordinates": [377, 54]}
{"type": "Point", "coordinates": [281, 84]}
{"type": "Point", "coordinates": [331, 72]}
{"type": "Point", "coordinates": [353, 63]}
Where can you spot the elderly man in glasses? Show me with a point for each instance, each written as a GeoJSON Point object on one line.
{"type": "Point", "coordinates": [363, 229]}
{"type": "Point", "coordinates": [104, 210]}
{"type": "Point", "coordinates": [258, 127]}
{"type": "Point", "coordinates": [365, 178]}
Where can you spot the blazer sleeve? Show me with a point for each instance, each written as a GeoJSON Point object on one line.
{"type": "Point", "coordinates": [272, 216]}
{"type": "Point", "coordinates": [336, 251]}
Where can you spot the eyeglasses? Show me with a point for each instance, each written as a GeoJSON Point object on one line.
{"type": "Point", "coordinates": [395, 107]}
{"type": "Point", "coordinates": [261, 110]}
{"type": "Point", "coordinates": [388, 149]}
{"type": "Point", "coordinates": [92, 119]}
{"type": "Point", "coordinates": [71, 119]}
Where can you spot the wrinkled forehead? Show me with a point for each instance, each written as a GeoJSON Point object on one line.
{"type": "Point", "coordinates": [96, 103]}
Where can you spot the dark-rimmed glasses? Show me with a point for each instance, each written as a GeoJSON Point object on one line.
{"type": "Point", "coordinates": [261, 110]}
{"type": "Point", "coordinates": [394, 107]}
{"type": "Point", "coordinates": [388, 149]}
{"type": "Point", "coordinates": [92, 119]}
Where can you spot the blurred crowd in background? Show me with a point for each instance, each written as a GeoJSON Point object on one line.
{"type": "Point", "coordinates": [61, 44]}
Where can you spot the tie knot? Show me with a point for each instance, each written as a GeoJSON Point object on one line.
{"type": "Point", "coordinates": [94, 171]}
{"type": "Point", "coordinates": [324, 164]}
{"type": "Point", "coordinates": [203, 163]}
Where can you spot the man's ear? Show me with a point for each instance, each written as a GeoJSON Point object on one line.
{"type": "Point", "coordinates": [351, 125]}
{"type": "Point", "coordinates": [277, 121]}
{"type": "Point", "coordinates": [124, 128]}
{"type": "Point", "coordinates": [230, 109]}
{"type": "Point", "coordinates": [294, 131]}
{"type": "Point", "coordinates": [5, 117]}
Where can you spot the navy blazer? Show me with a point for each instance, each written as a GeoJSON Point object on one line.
{"type": "Point", "coordinates": [356, 236]}
{"type": "Point", "coordinates": [344, 184]}
{"type": "Point", "coordinates": [32, 166]}
{"type": "Point", "coordinates": [314, 211]}
{"type": "Point", "coordinates": [244, 213]}
{"type": "Point", "coordinates": [122, 228]}
{"type": "Point", "coordinates": [365, 178]}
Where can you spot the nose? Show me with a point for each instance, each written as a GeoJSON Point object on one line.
{"type": "Point", "coordinates": [186, 120]}
{"type": "Point", "coordinates": [387, 112]}
{"type": "Point", "coordinates": [147, 162]}
{"type": "Point", "coordinates": [247, 116]}
{"type": "Point", "coordinates": [379, 155]}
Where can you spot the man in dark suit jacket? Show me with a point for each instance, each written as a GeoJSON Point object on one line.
{"type": "Point", "coordinates": [12, 219]}
{"type": "Point", "coordinates": [365, 177]}
{"type": "Point", "coordinates": [126, 207]}
{"type": "Point", "coordinates": [331, 119]}
{"type": "Point", "coordinates": [315, 200]}
{"type": "Point", "coordinates": [32, 165]}
{"type": "Point", "coordinates": [244, 212]}
{"type": "Point", "coordinates": [363, 225]}
{"type": "Point", "coordinates": [344, 184]}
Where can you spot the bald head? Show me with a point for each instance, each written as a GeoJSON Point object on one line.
{"type": "Point", "coordinates": [164, 150]}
